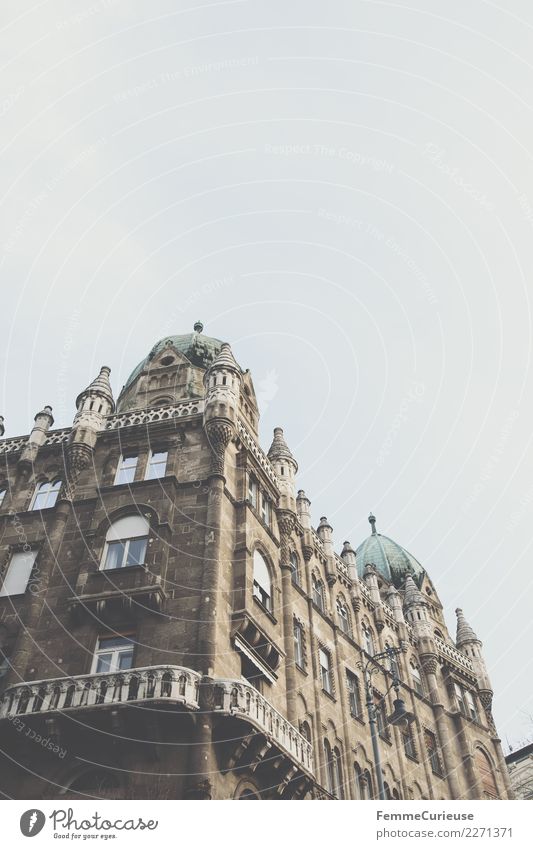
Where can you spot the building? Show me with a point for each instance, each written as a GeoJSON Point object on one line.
{"type": "Point", "coordinates": [520, 766]}
{"type": "Point", "coordinates": [173, 626]}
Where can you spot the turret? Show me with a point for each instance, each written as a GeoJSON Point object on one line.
{"type": "Point", "coordinates": [416, 610]}
{"type": "Point", "coordinates": [392, 597]}
{"type": "Point", "coordinates": [303, 511]}
{"type": "Point", "coordinates": [370, 577]}
{"type": "Point", "coordinates": [348, 558]}
{"type": "Point", "coordinates": [222, 382]}
{"type": "Point", "coordinates": [43, 422]}
{"type": "Point", "coordinates": [285, 467]}
{"type": "Point", "coordinates": [325, 533]}
{"type": "Point", "coordinates": [93, 405]}
{"type": "Point", "coordinates": [471, 646]}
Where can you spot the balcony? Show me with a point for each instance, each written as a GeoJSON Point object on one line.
{"type": "Point", "coordinates": [235, 698]}
{"type": "Point", "coordinates": [116, 590]}
{"type": "Point", "coordinates": [163, 684]}
{"type": "Point", "coordinates": [450, 653]}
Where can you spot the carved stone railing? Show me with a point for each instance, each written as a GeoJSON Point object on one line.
{"type": "Point", "coordinates": [451, 653]}
{"type": "Point", "coordinates": [342, 567]}
{"type": "Point", "coordinates": [173, 684]}
{"type": "Point", "coordinates": [236, 698]}
{"type": "Point", "coordinates": [249, 442]}
{"type": "Point", "coordinates": [155, 414]}
{"type": "Point", "coordinates": [17, 443]}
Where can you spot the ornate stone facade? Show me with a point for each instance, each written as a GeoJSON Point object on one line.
{"type": "Point", "coordinates": [173, 626]}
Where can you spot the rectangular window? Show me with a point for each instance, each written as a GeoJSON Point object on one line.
{"type": "Point", "coordinates": [157, 465]}
{"type": "Point", "coordinates": [265, 509]}
{"type": "Point", "coordinates": [408, 743]}
{"type": "Point", "coordinates": [433, 755]}
{"type": "Point", "coordinates": [252, 492]}
{"type": "Point", "coordinates": [470, 704]}
{"type": "Point", "coordinates": [354, 694]}
{"type": "Point", "coordinates": [113, 654]}
{"type": "Point", "coordinates": [126, 469]}
{"type": "Point", "coordinates": [459, 695]}
{"type": "Point", "coordinates": [325, 671]}
{"type": "Point", "coordinates": [298, 645]}
{"type": "Point", "coordinates": [128, 552]}
{"type": "Point", "coordinates": [18, 573]}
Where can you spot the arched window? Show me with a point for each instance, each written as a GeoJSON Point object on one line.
{"type": "Point", "coordinates": [438, 634]}
{"type": "Point", "coordinates": [484, 770]}
{"type": "Point", "coordinates": [417, 679]}
{"type": "Point", "coordinates": [262, 581]}
{"type": "Point", "coordinates": [337, 773]}
{"type": "Point", "coordinates": [330, 769]}
{"type": "Point", "coordinates": [318, 593]}
{"type": "Point", "coordinates": [343, 616]}
{"type": "Point", "coordinates": [368, 638]}
{"type": "Point", "coordinates": [45, 495]}
{"type": "Point", "coordinates": [125, 543]}
{"type": "Point", "coordinates": [295, 571]}
{"type": "Point", "coordinates": [3, 493]}
{"type": "Point", "coordinates": [248, 794]}
{"type": "Point", "coordinates": [368, 781]}
{"type": "Point", "coordinates": [305, 731]}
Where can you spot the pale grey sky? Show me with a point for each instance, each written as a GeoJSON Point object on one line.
{"type": "Point", "coordinates": [344, 191]}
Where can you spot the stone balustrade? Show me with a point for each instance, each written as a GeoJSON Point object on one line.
{"type": "Point", "coordinates": [451, 653]}
{"type": "Point", "coordinates": [155, 414]}
{"type": "Point", "coordinates": [161, 683]}
{"type": "Point", "coordinates": [239, 699]}
{"type": "Point", "coordinates": [249, 442]}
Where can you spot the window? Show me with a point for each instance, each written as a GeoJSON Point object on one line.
{"type": "Point", "coordinates": [368, 639]}
{"type": "Point", "coordinates": [432, 752]}
{"type": "Point", "coordinates": [126, 542]}
{"type": "Point", "coordinates": [465, 702]}
{"type": "Point", "coordinates": [113, 654]}
{"type": "Point", "coordinates": [325, 671]}
{"type": "Point", "coordinates": [265, 509]}
{"type": "Point", "coordinates": [252, 492]}
{"type": "Point", "coordinates": [298, 644]}
{"type": "Point", "coordinates": [333, 766]}
{"type": "Point", "coordinates": [417, 680]}
{"type": "Point", "coordinates": [157, 465]}
{"type": "Point", "coordinates": [305, 731]}
{"type": "Point", "coordinates": [354, 694]}
{"type": "Point", "coordinates": [45, 495]}
{"type": "Point", "coordinates": [484, 770]}
{"type": "Point", "coordinates": [471, 705]}
{"type": "Point", "coordinates": [392, 663]}
{"type": "Point", "coordinates": [318, 593]}
{"type": "Point", "coordinates": [363, 783]}
{"type": "Point", "coordinates": [337, 774]}
{"type": "Point", "coordinates": [18, 573]}
{"type": "Point", "coordinates": [379, 706]}
{"type": "Point", "coordinates": [408, 742]}
{"type": "Point", "coordinates": [295, 572]}
{"type": "Point", "coordinates": [262, 582]}
{"type": "Point", "coordinates": [126, 469]}
{"type": "Point", "coordinates": [343, 615]}
{"type": "Point", "coordinates": [3, 493]}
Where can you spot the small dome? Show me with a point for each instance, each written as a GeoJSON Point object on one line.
{"type": "Point", "coordinates": [200, 350]}
{"type": "Point", "coordinates": [392, 561]}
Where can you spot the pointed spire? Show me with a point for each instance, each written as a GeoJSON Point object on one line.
{"type": "Point", "coordinates": [412, 593]}
{"type": "Point", "coordinates": [225, 359]}
{"type": "Point", "coordinates": [279, 450]}
{"type": "Point", "coordinates": [372, 520]}
{"type": "Point", "coordinates": [99, 386]}
{"type": "Point", "coordinates": [465, 633]}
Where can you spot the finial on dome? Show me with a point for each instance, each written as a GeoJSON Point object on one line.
{"type": "Point", "coordinates": [198, 326]}
{"type": "Point", "coordinates": [372, 520]}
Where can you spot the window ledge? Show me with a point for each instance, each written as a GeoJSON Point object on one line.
{"type": "Point", "coordinates": [329, 695]}
{"type": "Point", "coordinates": [265, 609]}
{"type": "Point", "coordinates": [412, 758]}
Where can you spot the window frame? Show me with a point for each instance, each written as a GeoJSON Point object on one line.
{"type": "Point", "coordinates": [125, 542]}
{"type": "Point", "coordinates": [54, 487]}
{"type": "Point", "coordinates": [326, 671]}
{"type": "Point", "coordinates": [260, 593]}
{"type": "Point", "coordinates": [345, 624]}
{"type": "Point", "coordinates": [298, 637]}
{"type": "Point", "coordinates": [114, 652]}
{"type": "Point", "coordinates": [5, 577]}
{"type": "Point", "coordinates": [123, 468]}
{"type": "Point", "coordinates": [150, 465]}
{"type": "Point", "coordinates": [354, 695]}
{"type": "Point", "coordinates": [317, 588]}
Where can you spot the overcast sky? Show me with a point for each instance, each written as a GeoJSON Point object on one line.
{"type": "Point", "coordinates": [342, 190]}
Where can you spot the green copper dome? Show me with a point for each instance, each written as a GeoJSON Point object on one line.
{"type": "Point", "coordinates": [200, 350]}
{"type": "Point", "coordinates": [391, 560]}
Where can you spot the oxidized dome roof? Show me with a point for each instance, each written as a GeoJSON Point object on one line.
{"type": "Point", "coordinates": [200, 350]}
{"type": "Point", "coordinates": [392, 561]}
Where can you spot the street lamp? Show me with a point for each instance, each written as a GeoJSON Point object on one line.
{"type": "Point", "coordinates": [399, 717]}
